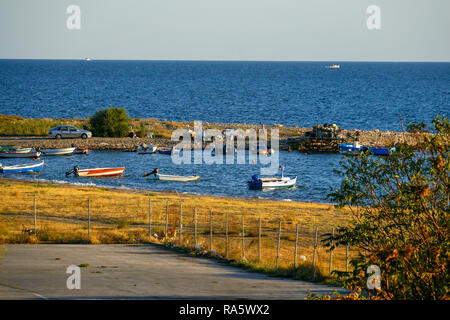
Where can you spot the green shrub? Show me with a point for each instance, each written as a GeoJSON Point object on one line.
{"type": "Point", "coordinates": [401, 215]}
{"type": "Point", "coordinates": [142, 131]}
{"type": "Point", "coordinates": [111, 122]}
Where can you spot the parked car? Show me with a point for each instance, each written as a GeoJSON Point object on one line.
{"type": "Point", "coordinates": [67, 131]}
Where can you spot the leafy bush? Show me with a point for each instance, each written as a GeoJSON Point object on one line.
{"type": "Point", "coordinates": [111, 122]}
{"type": "Point", "coordinates": [400, 214]}
{"type": "Point", "coordinates": [142, 131]}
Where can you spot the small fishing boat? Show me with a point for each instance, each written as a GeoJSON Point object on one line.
{"type": "Point", "coordinates": [164, 150]}
{"type": "Point", "coordinates": [15, 149]}
{"type": "Point", "coordinates": [146, 149]}
{"type": "Point", "coordinates": [79, 150]}
{"type": "Point", "coordinates": [355, 148]}
{"type": "Point", "coordinates": [30, 154]}
{"type": "Point", "coordinates": [58, 152]}
{"type": "Point", "coordinates": [169, 177]}
{"type": "Point", "coordinates": [272, 182]}
{"type": "Point", "coordinates": [96, 172]}
{"type": "Point", "coordinates": [22, 168]}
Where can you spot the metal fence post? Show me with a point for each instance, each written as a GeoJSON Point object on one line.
{"type": "Point", "coordinates": [346, 258]}
{"type": "Point", "coordinates": [89, 219]}
{"type": "Point", "coordinates": [279, 240]}
{"type": "Point", "coordinates": [259, 240]}
{"type": "Point", "coordinates": [243, 239]}
{"type": "Point", "coordinates": [210, 231]}
{"type": "Point", "coordinates": [314, 255]}
{"type": "Point", "coordinates": [35, 216]}
{"type": "Point", "coordinates": [330, 268]}
{"type": "Point", "coordinates": [295, 249]}
{"type": "Point", "coordinates": [226, 235]}
{"type": "Point", "coordinates": [181, 224]}
{"type": "Point", "coordinates": [195, 227]}
{"type": "Point", "coordinates": [150, 217]}
{"type": "Point", "coordinates": [167, 218]}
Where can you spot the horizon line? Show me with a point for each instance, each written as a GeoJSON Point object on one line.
{"type": "Point", "coordinates": [232, 60]}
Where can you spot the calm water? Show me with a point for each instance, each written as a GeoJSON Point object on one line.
{"type": "Point", "coordinates": [314, 174]}
{"type": "Point", "coordinates": [358, 95]}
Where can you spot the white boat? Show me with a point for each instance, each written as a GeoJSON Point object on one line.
{"type": "Point", "coordinates": [31, 154]}
{"type": "Point", "coordinates": [334, 66]}
{"type": "Point", "coordinates": [272, 182]}
{"type": "Point", "coordinates": [169, 177]}
{"type": "Point", "coordinates": [146, 149]}
{"type": "Point", "coordinates": [58, 152]}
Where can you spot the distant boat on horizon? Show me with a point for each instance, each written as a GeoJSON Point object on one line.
{"type": "Point", "coordinates": [333, 66]}
{"type": "Point", "coordinates": [87, 59]}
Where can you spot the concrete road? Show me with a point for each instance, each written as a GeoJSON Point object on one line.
{"type": "Point", "coordinates": [134, 272]}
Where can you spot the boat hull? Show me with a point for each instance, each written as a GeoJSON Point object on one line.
{"type": "Point", "coordinates": [167, 177]}
{"type": "Point", "coordinates": [58, 152]}
{"type": "Point", "coordinates": [272, 183]}
{"type": "Point", "coordinates": [81, 151]}
{"type": "Point", "coordinates": [100, 172]}
{"type": "Point", "coordinates": [15, 149]}
{"type": "Point", "coordinates": [33, 154]}
{"type": "Point", "coordinates": [346, 148]}
{"type": "Point", "coordinates": [148, 150]}
{"type": "Point", "coordinates": [23, 168]}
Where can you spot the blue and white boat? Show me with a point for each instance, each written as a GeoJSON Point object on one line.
{"type": "Point", "coordinates": [22, 168]}
{"type": "Point", "coordinates": [352, 148]}
{"type": "Point", "coordinates": [272, 182]}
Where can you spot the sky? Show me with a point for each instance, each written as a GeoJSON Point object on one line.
{"type": "Point", "coordinates": [270, 30]}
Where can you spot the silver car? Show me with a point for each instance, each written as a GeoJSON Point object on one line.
{"type": "Point", "coordinates": [67, 131]}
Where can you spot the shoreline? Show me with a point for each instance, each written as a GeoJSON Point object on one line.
{"type": "Point", "coordinates": [162, 129]}
{"type": "Point", "coordinates": [136, 191]}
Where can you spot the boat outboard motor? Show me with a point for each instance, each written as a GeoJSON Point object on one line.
{"type": "Point", "coordinates": [255, 177]}
{"type": "Point", "coordinates": [74, 171]}
{"type": "Point", "coordinates": [155, 172]}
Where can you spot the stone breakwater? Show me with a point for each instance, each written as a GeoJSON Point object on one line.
{"type": "Point", "coordinates": [370, 138]}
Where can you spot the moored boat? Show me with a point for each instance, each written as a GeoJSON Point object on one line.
{"type": "Point", "coordinates": [96, 172]}
{"type": "Point", "coordinates": [272, 182]}
{"type": "Point", "coordinates": [22, 168]}
{"type": "Point", "coordinates": [81, 150]}
{"type": "Point", "coordinates": [169, 177]}
{"type": "Point", "coordinates": [146, 149]}
{"type": "Point", "coordinates": [352, 148]}
{"type": "Point", "coordinates": [30, 154]}
{"type": "Point", "coordinates": [164, 150]}
{"type": "Point", "coordinates": [58, 152]}
{"type": "Point", "coordinates": [15, 149]}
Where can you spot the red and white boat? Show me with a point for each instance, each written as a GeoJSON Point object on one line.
{"type": "Point", "coordinates": [96, 172]}
{"type": "Point", "coordinates": [80, 150]}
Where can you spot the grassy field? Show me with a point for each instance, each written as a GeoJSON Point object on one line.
{"type": "Point", "coordinates": [122, 216]}
{"type": "Point", "coordinates": [20, 126]}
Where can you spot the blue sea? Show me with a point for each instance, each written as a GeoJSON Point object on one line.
{"type": "Point", "coordinates": [358, 95]}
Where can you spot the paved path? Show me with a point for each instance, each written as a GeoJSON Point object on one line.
{"type": "Point", "coordinates": [134, 272]}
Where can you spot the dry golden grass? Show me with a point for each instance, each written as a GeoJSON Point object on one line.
{"type": "Point", "coordinates": [122, 216]}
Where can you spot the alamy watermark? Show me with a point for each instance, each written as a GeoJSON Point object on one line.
{"type": "Point", "coordinates": [74, 280]}
{"type": "Point", "coordinates": [73, 22]}
{"type": "Point", "coordinates": [211, 146]}
{"type": "Point", "coordinates": [373, 22]}
{"type": "Point", "coordinates": [374, 280]}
